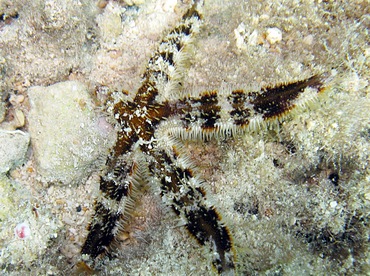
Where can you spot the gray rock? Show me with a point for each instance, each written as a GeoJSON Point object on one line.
{"type": "Point", "coordinates": [13, 149]}
{"type": "Point", "coordinates": [67, 136]}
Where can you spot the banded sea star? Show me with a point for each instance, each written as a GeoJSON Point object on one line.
{"type": "Point", "coordinates": [148, 145]}
{"type": "Point", "coordinates": [295, 195]}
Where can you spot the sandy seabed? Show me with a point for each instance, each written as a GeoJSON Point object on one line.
{"type": "Point", "coordinates": [295, 195]}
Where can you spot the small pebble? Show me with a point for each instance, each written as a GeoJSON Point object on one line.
{"type": "Point", "coordinates": [19, 119]}
{"type": "Point", "coordinates": [308, 40]}
{"type": "Point", "coordinates": [333, 204]}
{"type": "Point", "coordinates": [274, 35]}
{"type": "Point", "coordinates": [16, 99]}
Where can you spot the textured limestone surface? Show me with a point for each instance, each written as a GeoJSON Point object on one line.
{"type": "Point", "coordinates": [23, 248]}
{"type": "Point", "coordinates": [13, 149]}
{"type": "Point", "coordinates": [296, 195]}
{"type": "Point", "coordinates": [66, 136]}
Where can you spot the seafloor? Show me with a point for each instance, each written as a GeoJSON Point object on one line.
{"type": "Point", "coordinates": [295, 195]}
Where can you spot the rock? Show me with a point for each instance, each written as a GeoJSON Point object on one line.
{"type": "Point", "coordinates": [18, 120]}
{"type": "Point", "coordinates": [13, 149]}
{"type": "Point", "coordinates": [66, 135]}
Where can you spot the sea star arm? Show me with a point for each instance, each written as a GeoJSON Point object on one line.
{"type": "Point", "coordinates": [118, 188]}
{"type": "Point", "coordinates": [182, 190]}
{"type": "Point", "coordinates": [167, 66]}
{"type": "Point", "coordinates": [215, 113]}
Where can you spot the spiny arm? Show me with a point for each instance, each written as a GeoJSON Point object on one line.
{"type": "Point", "coordinates": [112, 209]}
{"type": "Point", "coordinates": [166, 67]}
{"type": "Point", "coordinates": [213, 114]}
{"type": "Point", "coordinates": [182, 190]}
